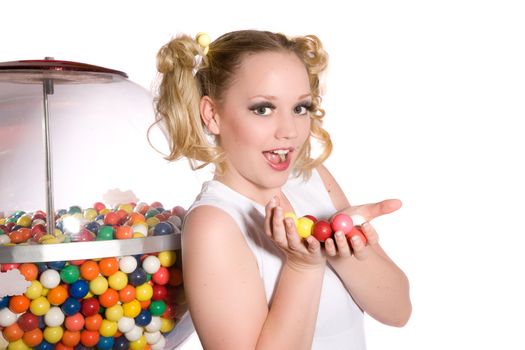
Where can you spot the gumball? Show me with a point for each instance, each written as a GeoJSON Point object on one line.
{"type": "Point", "coordinates": [159, 345]}
{"type": "Point", "coordinates": [71, 338]}
{"type": "Point", "coordinates": [118, 280]}
{"type": "Point", "coordinates": [167, 325]}
{"type": "Point", "coordinates": [167, 258]}
{"type": "Point", "coordinates": [109, 298]}
{"type": "Point", "coordinates": [89, 338]}
{"type": "Point", "coordinates": [157, 307]}
{"type": "Point", "coordinates": [108, 266]}
{"type": "Point", "coordinates": [137, 277]}
{"type": "Point", "coordinates": [341, 222]}
{"type": "Point", "coordinates": [105, 343]}
{"type": "Point", "coordinates": [141, 227]}
{"type": "Point", "coordinates": [105, 233]}
{"type": "Point", "coordinates": [39, 306]}
{"type": "Point", "coordinates": [27, 321]}
{"type": "Point", "coordinates": [143, 318]}
{"type": "Point", "coordinates": [90, 214]}
{"type": "Point", "coordinates": [131, 309]}
{"type": "Point", "coordinates": [56, 265]}
{"type": "Point", "coordinates": [114, 313]}
{"type": "Point", "coordinates": [42, 267]}
{"type": "Point", "coordinates": [152, 338]}
{"type": "Point", "coordinates": [98, 206]}
{"type": "Point", "coordinates": [71, 306]}
{"type": "Point", "coordinates": [163, 228]}
{"type": "Point", "coordinates": [53, 334]}
{"type": "Point", "coordinates": [50, 278]}
{"type": "Point", "coordinates": [19, 303]}
{"type": "Point", "coordinates": [29, 271]}
{"type": "Point", "coordinates": [108, 328]}
{"type": "Point", "coordinates": [92, 226]}
{"type": "Point", "coordinates": [75, 322]}
{"type": "Point", "coordinates": [79, 289]}
{"type": "Point", "coordinates": [34, 290]}
{"type": "Point", "coordinates": [57, 295]}
{"type": "Point", "coordinates": [175, 276]}
{"type": "Point", "coordinates": [162, 276]}
{"type": "Point", "coordinates": [54, 317]}
{"type": "Point", "coordinates": [4, 239]}
{"type": "Point", "coordinates": [44, 345]}
{"type": "Point", "coordinates": [127, 264]}
{"type": "Point", "coordinates": [159, 292]}
{"type": "Point", "coordinates": [77, 262]}
{"type": "Point", "coordinates": [304, 226]}
{"type": "Point", "coordinates": [7, 267]}
{"type": "Point", "coordinates": [12, 332]}
{"type": "Point", "coordinates": [138, 344]}
{"type": "Point", "coordinates": [18, 345]}
{"type": "Point", "coordinates": [74, 209]}
{"type": "Point", "coordinates": [4, 302]}
{"type": "Point", "coordinates": [90, 307]}
{"type": "Point", "coordinates": [93, 323]}
{"type": "Point", "coordinates": [151, 264]}
{"type": "Point", "coordinates": [70, 274]}
{"type": "Point", "coordinates": [134, 334]}
{"type": "Point", "coordinates": [127, 293]}
{"type": "Point", "coordinates": [124, 232]}
{"type": "Point", "coordinates": [33, 337]}
{"type": "Point", "coordinates": [121, 343]}
{"type": "Point", "coordinates": [111, 219]}
{"type": "Point", "coordinates": [151, 213]}
{"type": "Point", "coordinates": [98, 286]}
{"type": "Point", "coordinates": [126, 324]}
{"type": "Point", "coordinates": [322, 230]}
{"type": "Point", "coordinates": [89, 270]}
{"type": "Point", "coordinates": [356, 231]}
{"type": "Point", "coordinates": [143, 292]}
{"type": "Point", "coordinates": [144, 304]}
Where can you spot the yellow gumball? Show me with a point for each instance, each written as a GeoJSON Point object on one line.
{"type": "Point", "coordinates": [53, 334]}
{"type": "Point", "coordinates": [108, 328]}
{"type": "Point", "coordinates": [16, 345]}
{"type": "Point", "coordinates": [167, 258]}
{"type": "Point", "coordinates": [304, 226]}
{"type": "Point", "coordinates": [118, 280]}
{"type": "Point", "coordinates": [128, 208]}
{"type": "Point", "coordinates": [39, 306]}
{"type": "Point", "coordinates": [114, 313]}
{"type": "Point", "coordinates": [290, 214]}
{"type": "Point", "coordinates": [132, 309]}
{"type": "Point", "coordinates": [98, 285]}
{"type": "Point", "coordinates": [144, 292]}
{"type": "Point", "coordinates": [138, 344]}
{"type": "Point", "coordinates": [167, 324]}
{"type": "Point", "coordinates": [34, 290]}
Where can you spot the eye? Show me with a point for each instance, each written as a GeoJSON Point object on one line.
{"type": "Point", "coordinates": [262, 109]}
{"type": "Point", "coordinates": [302, 109]}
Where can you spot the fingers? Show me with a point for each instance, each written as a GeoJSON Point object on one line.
{"type": "Point", "coordinates": [373, 210]}
{"type": "Point", "coordinates": [268, 219]}
{"type": "Point", "coordinates": [358, 246]}
{"type": "Point", "coordinates": [338, 245]}
{"type": "Point", "coordinates": [370, 232]}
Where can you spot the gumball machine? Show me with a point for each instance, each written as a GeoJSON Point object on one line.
{"type": "Point", "coordinates": [89, 249]}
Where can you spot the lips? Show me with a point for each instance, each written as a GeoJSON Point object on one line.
{"type": "Point", "coordinates": [279, 159]}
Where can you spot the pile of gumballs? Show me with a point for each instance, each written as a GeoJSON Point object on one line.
{"type": "Point", "coordinates": [323, 229]}
{"type": "Point", "coordinates": [127, 302]}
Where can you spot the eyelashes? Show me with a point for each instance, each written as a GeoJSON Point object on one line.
{"type": "Point", "coordinates": [266, 108]}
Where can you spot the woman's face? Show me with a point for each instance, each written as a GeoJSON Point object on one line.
{"type": "Point", "coordinates": [264, 120]}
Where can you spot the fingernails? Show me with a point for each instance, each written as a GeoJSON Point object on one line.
{"type": "Point", "coordinates": [366, 226]}
{"type": "Point", "coordinates": [273, 201]}
{"type": "Point", "coordinates": [338, 234]}
{"type": "Point", "coordinates": [356, 240]}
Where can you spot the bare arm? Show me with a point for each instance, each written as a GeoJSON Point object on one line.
{"type": "Point", "coordinates": [225, 292]}
{"type": "Point", "coordinates": [375, 282]}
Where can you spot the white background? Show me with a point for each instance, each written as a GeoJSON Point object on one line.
{"type": "Point", "coordinates": [423, 102]}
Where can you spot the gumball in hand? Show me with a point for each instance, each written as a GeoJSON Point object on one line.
{"type": "Point", "coordinates": [322, 230]}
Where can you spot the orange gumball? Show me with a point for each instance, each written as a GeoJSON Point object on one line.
{"type": "Point", "coordinates": [19, 304]}
{"type": "Point", "coordinates": [108, 266]}
{"type": "Point", "coordinates": [124, 232]}
{"type": "Point", "coordinates": [144, 304]}
{"type": "Point", "coordinates": [71, 338]}
{"type": "Point", "coordinates": [33, 338]}
{"type": "Point", "coordinates": [29, 271]}
{"type": "Point", "coordinates": [127, 294]}
{"type": "Point", "coordinates": [109, 298]}
{"type": "Point", "coordinates": [93, 323]}
{"type": "Point", "coordinates": [135, 218]}
{"type": "Point", "coordinates": [13, 332]}
{"type": "Point", "coordinates": [62, 346]}
{"type": "Point", "coordinates": [89, 270]}
{"type": "Point", "coordinates": [89, 338]}
{"type": "Point", "coordinates": [57, 295]}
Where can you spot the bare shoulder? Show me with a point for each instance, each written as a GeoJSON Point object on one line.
{"type": "Point", "coordinates": [334, 190]}
{"type": "Point", "coordinates": [221, 280]}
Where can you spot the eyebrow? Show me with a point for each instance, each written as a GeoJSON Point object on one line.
{"type": "Point", "coordinates": [271, 97]}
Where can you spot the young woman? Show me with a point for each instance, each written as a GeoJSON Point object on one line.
{"type": "Point", "coordinates": [249, 103]}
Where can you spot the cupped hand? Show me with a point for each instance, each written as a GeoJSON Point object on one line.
{"type": "Point", "coordinates": [302, 253]}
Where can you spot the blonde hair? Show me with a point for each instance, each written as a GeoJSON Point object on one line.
{"type": "Point", "coordinates": [181, 89]}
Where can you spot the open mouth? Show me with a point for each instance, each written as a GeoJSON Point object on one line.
{"type": "Point", "coordinates": [279, 158]}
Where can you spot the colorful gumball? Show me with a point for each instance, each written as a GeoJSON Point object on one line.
{"type": "Point", "coordinates": [53, 334]}
{"type": "Point", "coordinates": [29, 271]}
{"type": "Point", "coordinates": [54, 317]}
{"type": "Point", "coordinates": [304, 226]}
{"type": "Point", "coordinates": [79, 289]}
{"type": "Point", "coordinates": [127, 264]}
{"type": "Point", "coordinates": [108, 266]}
{"type": "Point", "coordinates": [151, 264]}
{"type": "Point", "coordinates": [70, 274]}
{"type": "Point", "coordinates": [105, 343]}
{"type": "Point", "coordinates": [118, 280]}
{"type": "Point", "coordinates": [93, 323]}
{"type": "Point", "coordinates": [57, 295]}
{"type": "Point", "coordinates": [121, 343]}
{"type": "Point", "coordinates": [341, 222]}
{"type": "Point", "coordinates": [162, 276]}
{"type": "Point", "coordinates": [126, 324]}
{"type": "Point", "coordinates": [75, 322]}
{"type": "Point", "coordinates": [90, 307]}
{"type": "Point", "coordinates": [50, 278]}
{"type": "Point", "coordinates": [98, 285]}
{"type": "Point", "coordinates": [322, 230]}
{"type": "Point", "coordinates": [19, 303]}
{"type": "Point", "coordinates": [70, 338]}
{"type": "Point", "coordinates": [13, 332]}
{"type": "Point", "coordinates": [40, 306]}
{"type": "Point", "coordinates": [356, 231]}
{"type": "Point", "coordinates": [71, 306]}
{"type": "Point", "coordinates": [33, 338]}
{"type": "Point", "coordinates": [27, 321]}
{"type": "Point", "coordinates": [89, 338]}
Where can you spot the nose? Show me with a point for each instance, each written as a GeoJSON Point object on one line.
{"type": "Point", "coordinates": [286, 126]}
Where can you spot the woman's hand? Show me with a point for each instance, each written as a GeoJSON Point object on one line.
{"type": "Point", "coordinates": [301, 253]}
{"type": "Point", "coordinates": [344, 247]}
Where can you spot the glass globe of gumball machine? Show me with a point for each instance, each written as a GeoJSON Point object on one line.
{"type": "Point", "coordinates": [89, 253]}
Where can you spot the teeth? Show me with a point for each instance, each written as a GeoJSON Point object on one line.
{"type": "Point", "coordinates": [282, 154]}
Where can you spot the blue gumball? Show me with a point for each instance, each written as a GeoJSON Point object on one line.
{"type": "Point", "coordinates": [44, 345]}
{"type": "Point", "coordinates": [79, 289]}
{"type": "Point", "coordinates": [137, 277]}
{"type": "Point", "coordinates": [163, 228]}
{"type": "Point", "coordinates": [105, 343]}
{"type": "Point", "coordinates": [71, 306]}
{"type": "Point", "coordinates": [143, 319]}
{"type": "Point", "coordinates": [92, 226]}
{"type": "Point", "coordinates": [121, 343]}
{"type": "Point", "coordinates": [56, 265]}
{"type": "Point", "coordinates": [4, 302]}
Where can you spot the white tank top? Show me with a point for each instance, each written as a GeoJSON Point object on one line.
{"type": "Point", "coordinates": [339, 321]}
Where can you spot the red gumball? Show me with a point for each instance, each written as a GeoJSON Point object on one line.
{"type": "Point", "coordinates": [356, 231]}
{"type": "Point", "coordinates": [322, 230]}
{"type": "Point", "coordinates": [28, 322]}
{"type": "Point", "coordinates": [159, 292]}
{"type": "Point", "coordinates": [342, 222]}
{"type": "Point", "coordinates": [161, 277]}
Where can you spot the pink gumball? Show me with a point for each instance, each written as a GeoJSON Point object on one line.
{"type": "Point", "coordinates": [342, 222]}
